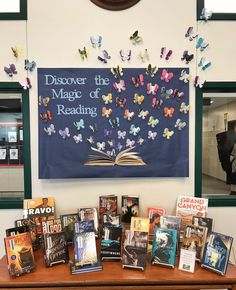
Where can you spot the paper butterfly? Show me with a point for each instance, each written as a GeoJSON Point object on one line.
{"type": "Point", "coordinates": [153, 121]}
{"type": "Point", "coordinates": [79, 124]}
{"type": "Point", "coordinates": [90, 140]}
{"type": "Point", "coordinates": [114, 122]}
{"type": "Point", "coordinates": [184, 108]}
{"type": "Point", "coordinates": [166, 76]}
{"type": "Point", "coordinates": [107, 132]}
{"type": "Point", "coordinates": [125, 56]}
{"type": "Point", "coordinates": [96, 41]}
{"type": "Point", "coordinates": [107, 98]}
{"type": "Point", "coordinates": [46, 116]}
{"type": "Point", "coordinates": [201, 44]}
{"type": "Point", "coordinates": [140, 140]}
{"type": "Point", "coordinates": [152, 89]}
{"type": "Point", "coordinates": [203, 63]}
{"type": "Point", "coordinates": [120, 86]}
{"type": "Point", "coordinates": [152, 135]}
{"type": "Point", "coordinates": [178, 95]}
{"type": "Point", "coordinates": [187, 57]}
{"type": "Point", "coordinates": [83, 53]}
{"type": "Point", "coordinates": [165, 54]}
{"type": "Point", "coordinates": [130, 143]}
{"type": "Point", "coordinates": [119, 146]}
{"type": "Point", "coordinates": [64, 133]}
{"type": "Point", "coordinates": [111, 153]}
{"type": "Point", "coordinates": [191, 34]}
{"type": "Point", "coordinates": [184, 76]}
{"type": "Point", "coordinates": [180, 124]}
{"type": "Point", "coordinates": [151, 70]}
{"type": "Point", "coordinates": [120, 102]}
{"type": "Point", "coordinates": [169, 112]}
{"type": "Point", "coordinates": [27, 84]}
{"type": "Point", "coordinates": [128, 115]}
{"type": "Point", "coordinates": [198, 82]}
{"type": "Point", "coordinates": [134, 130]}
{"type": "Point", "coordinates": [144, 56]}
{"type": "Point", "coordinates": [50, 130]}
{"type": "Point", "coordinates": [121, 134]}
{"type": "Point", "coordinates": [93, 127]}
{"type": "Point", "coordinates": [78, 138]}
{"type": "Point", "coordinates": [205, 15]}
{"type": "Point", "coordinates": [101, 146]}
{"type": "Point", "coordinates": [111, 143]}
{"type": "Point", "coordinates": [157, 103]}
{"type": "Point", "coordinates": [106, 112]}
{"type": "Point", "coordinates": [135, 38]}
{"type": "Point", "coordinates": [117, 72]}
{"type": "Point", "coordinates": [138, 99]}
{"type": "Point", "coordinates": [30, 65]}
{"type": "Point", "coordinates": [167, 133]}
{"type": "Point", "coordinates": [16, 51]}
{"type": "Point", "coordinates": [105, 57]}
{"type": "Point", "coordinates": [138, 81]}
{"type": "Point", "coordinates": [44, 101]}
{"type": "Point", "coordinates": [143, 114]}
{"type": "Point", "coordinates": [166, 93]}
{"type": "Point", "coordinates": [11, 70]}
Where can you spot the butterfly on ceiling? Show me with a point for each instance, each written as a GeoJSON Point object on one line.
{"type": "Point", "coordinates": [30, 66]}
{"type": "Point", "coordinates": [121, 134]}
{"type": "Point", "coordinates": [120, 86]}
{"type": "Point", "coordinates": [17, 51]}
{"type": "Point", "coordinates": [134, 130]}
{"type": "Point", "coordinates": [169, 112]}
{"type": "Point", "coordinates": [117, 72]}
{"type": "Point", "coordinates": [204, 64]}
{"type": "Point", "coordinates": [198, 82]}
{"type": "Point", "coordinates": [165, 54]}
{"type": "Point", "coordinates": [167, 94]}
{"type": "Point", "coordinates": [44, 101]}
{"type": "Point", "coordinates": [107, 98]}
{"type": "Point", "coordinates": [111, 143]}
{"type": "Point", "coordinates": [184, 76]}
{"type": "Point", "coordinates": [50, 129]}
{"type": "Point", "coordinates": [107, 133]}
{"type": "Point", "coordinates": [114, 122]}
{"type": "Point", "coordinates": [101, 146]}
{"type": "Point", "coordinates": [11, 70]}
{"type": "Point", "coordinates": [151, 71]}
{"type": "Point", "coordinates": [105, 56]}
{"type": "Point", "coordinates": [138, 99]}
{"type": "Point", "coordinates": [130, 143]}
{"type": "Point", "coordinates": [187, 57]}
{"type": "Point", "coordinates": [138, 80]}
{"type": "Point", "coordinates": [180, 124]}
{"type": "Point", "coordinates": [93, 127]}
{"type": "Point", "coordinates": [152, 135]}
{"type": "Point", "coordinates": [64, 133]}
{"type": "Point", "coordinates": [136, 38]}
{"type": "Point", "coordinates": [167, 133]}
{"type": "Point", "coordinates": [78, 138]}
{"type": "Point", "coordinates": [125, 55]}
{"type": "Point", "coordinates": [201, 44]}
{"type": "Point", "coordinates": [96, 41]}
{"type": "Point", "coordinates": [178, 95]}
{"type": "Point", "coordinates": [184, 108]}
{"type": "Point", "coordinates": [144, 56]}
{"type": "Point", "coordinates": [120, 102]}
{"type": "Point", "coordinates": [79, 124]}
{"type": "Point", "coordinates": [83, 53]}
{"type": "Point", "coordinates": [157, 103]}
{"type": "Point", "coordinates": [140, 140]}
{"type": "Point", "coordinates": [152, 89]}
{"type": "Point", "coordinates": [46, 116]}
{"type": "Point", "coordinates": [143, 114]}
{"type": "Point", "coordinates": [166, 76]}
{"type": "Point", "coordinates": [90, 140]}
{"type": "Point", "coordinates": [26, 84]}
{"type": "Point", "coordinates": [106, 112]}
{"type": "Point", "coordinates": [153, 121]}
{"type": "Point", "coordinates": [205, 15]}
{"type": "Point", "coordinates": [191, 34]}
{"type": "Point", "coordinates": [128, 115]}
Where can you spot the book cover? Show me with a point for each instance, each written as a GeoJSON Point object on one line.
{"type": "Point", "coordinates": [139, 224]}
{"type": "Point", "coordinates": [56, 249]}
{"type": "Point", "coordinates": [77, 269]}
{"type": "Point", "coordinates": [171, 222]}
{"type": "Point", "coordinates": [17, 230]}
{"type": "Point", "coordinates": [164, 247]}
{"type": "Point", "coordinates": [109, 220]}
{"type": "Point", "coordinates": [216, 252]}
{"type": "Point", "coordinates": [203, 222]}
{"type": "Point", "coordinates": [194, 239]}
{"type": "Point", "coordinates": [52, 226]}
{"type": "Point", "coordinates": [86, 214]}
{"type": "Point", "coordinates": [135, 250]}
{"type": "Point", "coordinates": [107, 205]}
{"type": "Point", "coordinates": [40, 207]}
{"type": "Point", "coordinates": [84, 227]}
{"type": "Point", "coordinates": [111, 243]}
{"type": "Point", "coordinates": [187, 260]}
{"type": "Point", "coordinates": [154, 215]}
{"type": "Point", "coordinates": [67, 222]}
{"type": "Point", "coordinates": [19, 254]}
{"type": "Point", "coordinates": [129, 208]}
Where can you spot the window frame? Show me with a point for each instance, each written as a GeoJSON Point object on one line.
{"type": "Point", "coordinates": [17, 203]}
{"type": "Point", "coordinates": [217, 87]}
{"type": "Point", "coordinates": [22, 15]}
{"type": "Point", "coordinates": [215, 16]}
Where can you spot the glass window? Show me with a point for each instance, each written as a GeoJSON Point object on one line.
{"type": "Point", "coordinates": [8, 6]}
{"type": "Point", "coordinates": [219, 6]}
{"type": "Point", "coordinates": [13, 9]}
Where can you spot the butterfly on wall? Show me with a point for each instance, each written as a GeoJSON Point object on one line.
{"type": "Point", "coordinates": [79, 124]}
{"type": "Point", "coordinates": [105, 56]}
{"type": "Point", "coordinates": [128, 115]}
{"type": "Point", "coordinates": [180, 124]}
{"type": "Point", "coordinates": [187, 57]}
{"type": "Point", "coordinates": [120, 102]}
{"type": "Point", "coordinates": [198, 82]}
{"type": "Point", "coordinates": [130, 143]}
{"type": "Point", "coordinates": [138, 99]}
{"type": "Point", "coordinates": [121, 134]}
{"type": "Point", "coordinates": [30, 66]}
{"type": "Point", "coordinates": [151, 71]}
{"type": "Point", "coordinates": [143, 114]}
{"type": "Point", "coordinates": [136, 38]}
{"type": "Point", "coordinates": [152, 89]}
{"type": "Point", "coordinates": [64, 133]}
{"type": "Point", "coordinates": [157, 103]}
{"type": "Point", "coordinates": [140, 140]}
{"type": "Point", "coordinates": [26, 84]}
{"type": "Point", "coordinates": [134, 130]}
{"type": "Point", "coordinates": [106, 112]}
{"type": "Point", "coordinates": [138, 80]}
{"type": "Point", "coordinates": [78, 138]}
{"type": "Point", "coordinates": [144, 56]}
{"type": "Point", "coordinates": [165, 54]}
{"type": "Point", "coordinates": [46, 116]}
{"type": "Point", "coordinates": [119, 146]}
{"type": "Point", "coordinates": [120, 86]}
{"type": "Point", "coordinates": [184, 108]}
{"type": "Point", "coordinates": [178, 96]}
{"type": "Point", "coordinates": [125, 55]}
{"type": "Point", "coordinates": [50, 129]}
{"type": "Point", "coordinates": [204, 64]}
{"type": "Point", "coordinates": [191, 34]}
{"type": "Point", "coordinates": [44, 101]}
{"type": "Point", "coordinates": [166, 76]}
{"type": "Point", "coordinates": [96, 41]}
{"type": "Point", "coordinates": [107, 133]}
{"type": "Point", "coordinates": [90, 140]}
{"type": "Point", "coordinates": [93, 127]}
{"type": "Point", "coordinates": [184, 76]}
{"type": "Point", "coordinates": [117, 72]}
{"type": "Point", "coordinates": [111, 153]}
{"type": "Point", "coordinates": [114, 122]}
{"type": "Point", "coordinates": [168, 112]}
{"type": "Point", "coordinates": [205, 15]}
{"type": "Point", "coordinates": [11, 70]}
{"type": "Point", "coordinates": [153, 121]}
{"type": "Point", "coordinates": [101, 146]}
{"type": "Point", "coordinates": [111, 143]}
{"type": "Point", "coordinates": [201, 44]}
{"type": "Point", "coordinates": [107, 98]}
{"type": "Point", "coordinates": [167, 133]}
{"type": "Point", "coordinates": [152, 135]}
{"type": "Point", "coordinates": [83, 53]}
{"type": "Point", "coordinates": [17, 51]}
{"type": "Point", "coordinates": [167, 94]}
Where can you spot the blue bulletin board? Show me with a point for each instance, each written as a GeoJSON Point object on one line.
{"type": "Point", "coordinates": [92, 124]}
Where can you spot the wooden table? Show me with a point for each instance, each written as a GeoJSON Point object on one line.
{"type": "Point", "coordinates": [114, 277]}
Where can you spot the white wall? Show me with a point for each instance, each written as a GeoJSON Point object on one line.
{"type": "Point", "coordinates": [54, 32]}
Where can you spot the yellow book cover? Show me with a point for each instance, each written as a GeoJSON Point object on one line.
{"type": "Point", "coordinates": [139, 224]}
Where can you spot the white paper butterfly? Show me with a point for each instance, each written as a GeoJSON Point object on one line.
{"type": "Point", "coordinates": [152, 135]}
